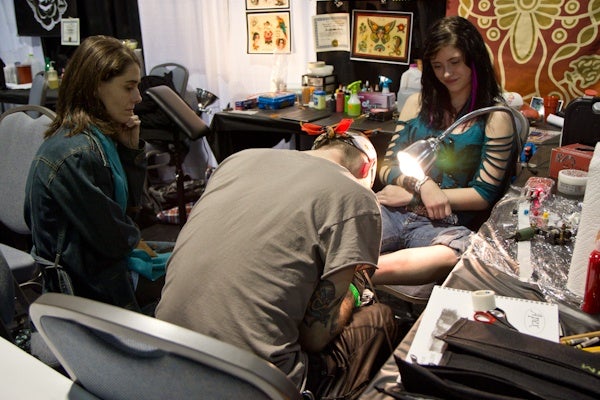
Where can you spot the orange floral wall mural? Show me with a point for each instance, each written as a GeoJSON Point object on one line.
{"type": "Point", "coordinates": [539, 47]}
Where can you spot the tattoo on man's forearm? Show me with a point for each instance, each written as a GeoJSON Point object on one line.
{"type": "Point", "coordinates": [323, 306]}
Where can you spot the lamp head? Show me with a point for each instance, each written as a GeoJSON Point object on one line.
{"type": "Point", "coordinates": [418, 158]}
{"type": "Point", "coordinates": [205, 98]}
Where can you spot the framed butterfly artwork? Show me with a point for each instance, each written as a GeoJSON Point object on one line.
{"type": "Point", "coordinates": [381, 36]}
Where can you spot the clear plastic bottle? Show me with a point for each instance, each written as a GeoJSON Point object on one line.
{"type": "Point", "coordinates": [37, 65]}
{"type": "Point", "coordinates": [410, 82]}
{"type": "Point", "coordinates": [25, 71]}
{"type": "Point", "coordinates": [591, 296]}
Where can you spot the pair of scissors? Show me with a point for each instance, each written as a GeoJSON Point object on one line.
{"type": "Point", "coordinates": [493, 316]}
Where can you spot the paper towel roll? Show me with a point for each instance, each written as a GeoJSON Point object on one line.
{"type": "Point", "coordinates": [588, 227]}
{"type": "Point", "coordinates": [555, 120]}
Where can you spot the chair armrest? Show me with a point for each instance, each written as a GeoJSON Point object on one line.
{"type": "Point", "coordinates": [178, 111]}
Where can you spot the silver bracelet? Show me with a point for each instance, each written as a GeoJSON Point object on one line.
{"type": "Point", "coordinates": [419, 184]}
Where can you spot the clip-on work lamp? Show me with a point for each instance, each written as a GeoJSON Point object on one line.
{"type": "Point", "coordinates": [205, 99]}
{"type": "Point", "coordinates": [418, 158]}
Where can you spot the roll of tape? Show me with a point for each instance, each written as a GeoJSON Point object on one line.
{"type": "Point", "coordinates": [572, 182]}
{"type": "Point", "coordinates": [483, 300]}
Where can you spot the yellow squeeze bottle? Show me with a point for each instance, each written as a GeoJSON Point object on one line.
{"type": "Point", "coordinates": [354, 101]}
{"type": "Point", "coordinates": [52, 77]}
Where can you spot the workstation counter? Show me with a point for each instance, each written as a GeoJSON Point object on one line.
{"type": "Point", "coordinates": [232, 131]}
{"type": "Point", "coordinates": [491, 263]}
{"type": "Point", "coordinates": [21, 96]}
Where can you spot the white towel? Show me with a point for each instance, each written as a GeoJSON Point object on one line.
{"type": "Point", "coordinates": [588, 227]}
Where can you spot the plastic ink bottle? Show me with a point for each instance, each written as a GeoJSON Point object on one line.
{"type": "Point", "coordinates": [339, 100]}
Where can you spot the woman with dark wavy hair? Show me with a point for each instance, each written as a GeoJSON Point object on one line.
{"type": "Point", "coordinates": [426, 223]}
{"type": "Point", "coordinates": [89, 171]}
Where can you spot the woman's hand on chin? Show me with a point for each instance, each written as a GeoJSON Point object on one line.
{"type": "Point", "coordinates": [129, 135]}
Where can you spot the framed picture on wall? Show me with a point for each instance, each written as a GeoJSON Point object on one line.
{"type": "Point", "coordinates": [381, 36]}
{"type": "Point", "coordinates": [331, 32]}
{"type": "Point", "coordinates": [266, 4]}
{"type": "Point", "coordinates": [269, 32]}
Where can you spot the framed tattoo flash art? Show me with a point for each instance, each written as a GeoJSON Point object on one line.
{"type": "Point", "coordinates": [382, 36]}
{"type": "Point", "coordinates": [266, 4]}
{"type": "Point", "coordinates": [268, 32]}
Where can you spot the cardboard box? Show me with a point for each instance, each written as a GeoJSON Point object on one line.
{"type": "Point", "coordinates": [371, 100]}
{"type": "Point", "coordinates": [572, 156]}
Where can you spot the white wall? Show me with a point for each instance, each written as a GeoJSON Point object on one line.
{"type": "Point", "coordinates": [15, 48]}
{"type": "Point", "coordinates": [209, 37]}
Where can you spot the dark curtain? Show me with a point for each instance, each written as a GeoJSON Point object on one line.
{"type": "Point", "coordinates": [35, 19]}
{"type": "Point", "coordinates": [425, 13]}
{"type": "Point", "coordinates": [118, 18]}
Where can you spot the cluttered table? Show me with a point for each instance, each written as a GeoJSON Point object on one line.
{"type": "Point", "coordinates": [543, 137]}
{"type": "Point", "coordinates": [535, 270]}
{"type": "Point", "coordinates": [235, 130]}
{"type": "Point", "coordinates": [492, 263]}
{"type": "Point", "coordinates": [21, 96]}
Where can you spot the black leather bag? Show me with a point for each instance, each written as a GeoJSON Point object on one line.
{"type": "Point", "coordinates": [484, 361]}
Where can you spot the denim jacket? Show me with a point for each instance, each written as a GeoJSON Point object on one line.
{"type": "Point", "coordinates": [70, 186]}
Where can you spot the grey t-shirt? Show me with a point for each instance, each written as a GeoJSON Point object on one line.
{"type": "Point", "coordinates": [270, 225]}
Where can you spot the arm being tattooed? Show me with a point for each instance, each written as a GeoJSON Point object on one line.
{"type": "Point", "coordinates": [329, 310]}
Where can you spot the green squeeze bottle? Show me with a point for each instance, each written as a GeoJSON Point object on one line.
{"type": "Point", "coordinates": [354, 101]}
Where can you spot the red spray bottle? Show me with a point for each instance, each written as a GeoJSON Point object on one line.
{"type": "Point", "coordinates": [591, 296]}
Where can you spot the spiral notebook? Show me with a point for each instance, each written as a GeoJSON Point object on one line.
{"type": "Point", "coordinates": [447, 305]}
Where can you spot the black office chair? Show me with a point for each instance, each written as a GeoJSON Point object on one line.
{"type": "Point", "coordinates": [185, 125]}
{"type": "Point", "coordinates": [120, 354]}
{"type": "Point", "coordinates": [179, 75]}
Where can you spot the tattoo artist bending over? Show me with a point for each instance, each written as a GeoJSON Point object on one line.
{"type": "Point", "coordinates": [425, 224]}
{"type": "Point", "coordinates": [90, 168]}
{"type": "Point", "coordinates": [267, 255]}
